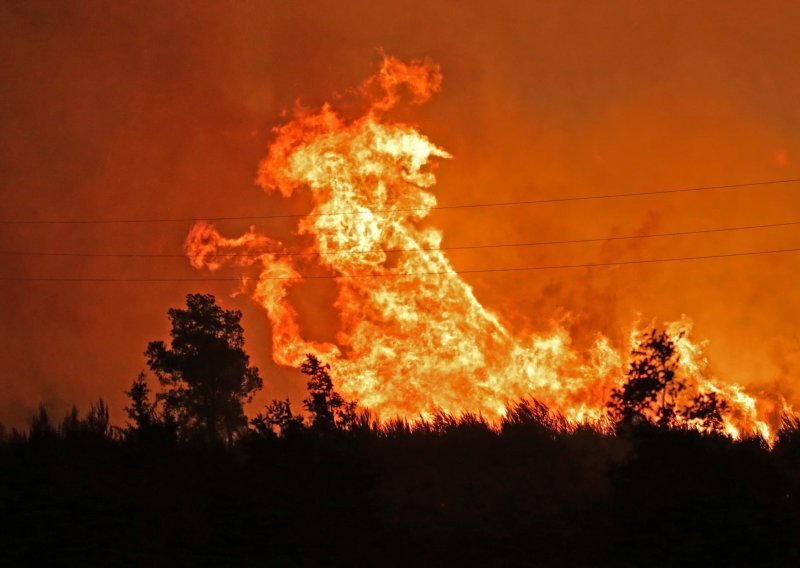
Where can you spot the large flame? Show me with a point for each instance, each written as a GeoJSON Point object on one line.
{"type": "Point", "coordinates": [413, 336]}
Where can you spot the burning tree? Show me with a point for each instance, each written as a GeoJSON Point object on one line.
{"type": "Point", "coordinates": [656, 390]}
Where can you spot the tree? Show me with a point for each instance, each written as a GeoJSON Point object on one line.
{"type": "Point", "coordinates": [706, 412]}
{"type": "Point", "coordinates": [652, 387]}
{"type": "Point", "coordinates": [655, 392]}
{"type": "Point", "coordinates": [280, 416]}
{"type": "Point", "coordinates": [41, 428]}
{"type": "Point", "coordinates": [205, 373]}
{"type": "Point", "coordinates": [147, 422]}
{"type": "Point", "coordinates": [96, 421]}
{"type": "Point", "coordinates": [95, 424]}
{"type": "Point", "coordinates": [327, 408]}
{"type": "Point", "coordinates": [141, 412]}
{"type": "Point", "coordinates": [278, 419]}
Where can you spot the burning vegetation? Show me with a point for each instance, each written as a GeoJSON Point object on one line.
{"type": "Point", "coordinates": [413, 338]}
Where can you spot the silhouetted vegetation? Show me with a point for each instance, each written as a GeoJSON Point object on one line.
{"type": "Point", "coordinates": [333, 487]}
{"type": "Point", "coordinates": [653, 390]}
{"type": "Point", "coordinates": [205, 372]}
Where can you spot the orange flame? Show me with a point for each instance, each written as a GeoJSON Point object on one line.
{"type": "Point", "coordinates": [412, 340]}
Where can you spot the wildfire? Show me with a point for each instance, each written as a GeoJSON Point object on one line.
{"type": "Point", "coordinates": [413, 336]}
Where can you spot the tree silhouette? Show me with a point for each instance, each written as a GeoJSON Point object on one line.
{"type": "Point", "coordinates": [278, 419]}
{"type": "Point", "coordinates": [94, 425]}
{"type": "Point", "coordinates": [41, 428]}
{"type": "Point", "coordinates": [655, 392]}
{"type": "Point", "coordinates": [706, 412]}
{"type": "Point", "coordinates": [280, 416]}
{"type": "Point", "coordinates": [141, 412]}
{"type": "Point", "coordinates": [205, 372]}
{"type": "Point", "coordinates": [652, 387]}
{"type": "Point", "coordinates": [326, 407]}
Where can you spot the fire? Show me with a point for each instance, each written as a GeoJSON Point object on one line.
{"type": "Point", "coordinates": [413, 337]}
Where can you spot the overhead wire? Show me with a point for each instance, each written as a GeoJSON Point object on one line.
{"type": "Point", "coordinates": [400, 210]}
{"type": "Point", "coordinates": [401, 274]}
{"type": "Point", "coordinates": [278, 253]}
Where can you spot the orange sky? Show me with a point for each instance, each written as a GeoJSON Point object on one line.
{"type": "Point", "coordinates": [126, 110]}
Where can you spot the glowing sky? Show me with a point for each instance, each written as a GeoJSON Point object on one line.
{"type": "Point", "coordinates": [131, 110]}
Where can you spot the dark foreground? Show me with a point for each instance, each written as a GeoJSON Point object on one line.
{"type": "Point", "coordinates": [453, 493]}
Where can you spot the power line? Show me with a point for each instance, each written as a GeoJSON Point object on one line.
{"type": "Point", "coordinates": [432, 249]}
{"type": "Point", "coordinates": [396, 274]}
{"type": "Point", "coordinates": [396, 210]}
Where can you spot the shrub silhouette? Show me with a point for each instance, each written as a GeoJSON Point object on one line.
{"type": "Point", "coordinates": [446, 491]}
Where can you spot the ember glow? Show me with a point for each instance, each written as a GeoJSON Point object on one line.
{"type": "Point", "coordinates": [413, 336]}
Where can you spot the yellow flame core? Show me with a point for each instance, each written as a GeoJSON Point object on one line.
{"type": "Point", "coordinates": [411, 341]}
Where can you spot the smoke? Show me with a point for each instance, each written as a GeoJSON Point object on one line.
{"type": "Point", "coordinates": [130, 110]}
